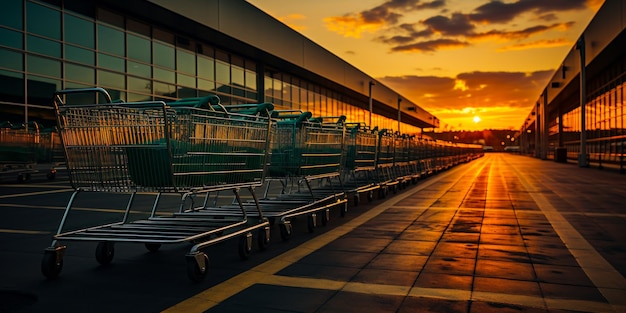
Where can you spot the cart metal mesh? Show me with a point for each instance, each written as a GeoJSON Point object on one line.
{"type": "Point", "coordinates": [301, 147]}
{"type": "Point", "coordinates": [386, 149]}
{"type": "Point", "coordinates": [18, 146]}
{"type": "Point", "coordinates": [360, 148]}
{"type": "Point", "coordinates": [156, 147]}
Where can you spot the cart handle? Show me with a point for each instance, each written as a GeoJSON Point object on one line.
{"type": "Point", "coordinates": [59, 100]}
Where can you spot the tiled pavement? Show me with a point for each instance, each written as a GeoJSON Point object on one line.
{"type": "Point", "coordinates": [503, 233]}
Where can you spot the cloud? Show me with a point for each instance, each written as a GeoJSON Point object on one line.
{"type": "Point", "coordinates": [521, 34]}
{"type": "Point", "coordinates": [386, 14]}
{"type": "Point", "coordinates": [430, 45]}
{"type": "Point", "coordinates": [456, 29]}
{"type": "Point", "coordinates": [481, 90]}
{"type": "Point", "coordinates": [539, 44]}
{"type": "Point", "coordinates": [498, 12]}
{"type": "Point", "coordinates": [292, 19]}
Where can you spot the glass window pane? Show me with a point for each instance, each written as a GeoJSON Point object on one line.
{"type": "Point", "coordinates": [79, 55]}
{"type": "Point", "coordinates": [113, 80]}
{"type": "Point", "coordinates": [43, 46]}
{"type": "Point", "coordinates": [206, 68]}
{"type": "Point", "coordinates": [222, 72]}
{"type": "Point", "coordinates": [139, 69]}
{"type": "Point", "coordinates": [164, 90]}
{"type": "Point", "coordinates": [206, 85]}
{"type": "Point", "coordinates": [110, 40]}
{"type": "Point", "coordinates": [187, 92]}
{"type": "Point", "coordinates": [110, 62]}
{"type": "Point", "coordinates": [11, 60]}
{"type": "Point", "coordinates": [12, 87]}
{"type": "Point", "coordinates": [43, 66]}
{"type": "Point", "coordinates": [11, 13]}
{"type": "Point", "coordinates": [41, 89]}
{"type": "Point", "coordinates": [79, 31]}
{"type": "Point", "coordinates": [186, 81]}
{"type": "Point", "coordinates": [43, 20]}
{"type": "Point", "coordinates": [135, 97]}
{"type": "Point", "coordinates": [11, 38]}
{"type": "Point", "coordinates": [139, 85]}
{"type": "Point", "coordinates": [163, 55]}
{"type": "Point", "coordinates": [139, 48]}
{"type": "Point", "coordinates": [237, 76]}
{"type": "Point", "coordinates": [79, 73]}
{"type": "Point", "coordinates": [164, 75]}
{"type": "Point", "coordinates": [251, 80]}
{"type": "Point", "coordinates": [185, 62]}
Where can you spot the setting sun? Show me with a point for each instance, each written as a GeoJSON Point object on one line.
{"type": "Point", "coordinates": [476, 119]}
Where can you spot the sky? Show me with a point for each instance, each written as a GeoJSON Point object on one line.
{"type": "Point", "coordinates": [475, 64]}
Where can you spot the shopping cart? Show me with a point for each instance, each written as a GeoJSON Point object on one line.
{"type": "Point", "coordinates": [360, 161]}
{"type": "Point", "coordinates": [190, 147]}
{"type": "Point", "coordinates": [303, 174]}
{"type": "Point", "coordinates": [385, 175]}
{"type": "Point", "coordinates": [21, 147]}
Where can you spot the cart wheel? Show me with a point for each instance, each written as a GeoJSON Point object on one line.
{"type": "Point", "coordinates": [344, 210]}
{"type": "Point", "coordinates": [153, 247]}
{"type": "Point", "coordinates": [382, 192]}
{"type": "Point", "coordinates": [326, 216]}
{"type": "Point", "coordinates": [311, 222]}
{"type": "Point", "coordinates": [370, 196]}
{"type": "Point", "coordinates": [51, 264]}
{"type": "Point", "coordinates": [22, 178]}
{"type": "Point", "coordinates": [357, 199]}
{"type": "Point", "coordinates": [245, 246]}
{"type": "Point", "coordinates": [395, 189]}
{"type": "Point", "coordinates": [104, 252]}
{"type": "Point", "coordinates": [197, 266]}
{"type": "Point", "coordinates": [285, 230]}
{"type": "Point", "coordinates": [264, 238]}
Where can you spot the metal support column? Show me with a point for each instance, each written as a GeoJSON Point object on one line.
{"type": "Point", "coordinates": [583, 158]}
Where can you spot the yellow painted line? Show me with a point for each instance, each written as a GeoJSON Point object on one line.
{"type": "Point", "coordinates": [28, 194]}
{"type": "Point", "coordinates": [604, 276]}
{"type": "Point", "coordinates": [265, 272]}
{"type": "Point", "coordinates": [23, 232]}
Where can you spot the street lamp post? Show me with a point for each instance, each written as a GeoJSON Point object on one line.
{"type": "Point", "coordinates": [370, 101]}
{"type": "Point", "coordinates": [399, 113]}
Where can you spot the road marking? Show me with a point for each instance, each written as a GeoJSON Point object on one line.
{"type": "Point", "coordinates": [28, 194]}
{"type": "Point", "coordinates": [23, 232]}
{"type": "Point", "coordinates": [265, 272]}
{"type": "Point", "coordinates": [607, 279]}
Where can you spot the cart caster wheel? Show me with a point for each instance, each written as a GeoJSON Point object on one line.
{"type": "Point", "coordinates": [395, 189]}
{"type": "Point", "coordinates": [357, 199]}
{"type": "Point", "coordinates": [382, 193]}
{"type": "Point", "coordinates": [197, 266]}
{"type": "Point", "coordinates": [153, 247]}
{"type": "Point", "coordinates": [52, 262]}
{"type": "Point", "coordinates": [22, 178]}
{"type": "Point", "coordinates": [245, 246]}
{"type": "Point", "coordinates": [311, 222]}
{"type": "Point", "coordinates": [285, 230]}
{"type": "Point", "coordinates": [264, 238]}
{"type": "Point", "coordinates": [105, 252]}
{"type": "Point", "coordinates": [326, 217]}
{"type": "Point", "coordinates": [344, 210]}
{"type": "Point", "coordinates": [370, 196]}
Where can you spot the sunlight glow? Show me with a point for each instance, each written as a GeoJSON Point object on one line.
{"type": "Point", "coordinates": [476, 119]}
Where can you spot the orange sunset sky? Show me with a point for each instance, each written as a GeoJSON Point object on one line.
{"type": "Point", "coordinates": [475, 64]}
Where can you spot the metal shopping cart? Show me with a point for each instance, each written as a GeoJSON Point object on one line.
{"type": "Point", "coordinates": [303, 174]}
{"type": "Point", "coordinates": [385, 175]}
{"type": "Point", "coordinates": [190, 147]}
{"type": "Point", "coordinates": [360, 161]}
{"type": "Point", "coordinates": [20, 150]}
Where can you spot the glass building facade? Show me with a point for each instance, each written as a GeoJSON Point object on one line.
{"type": "Point", "coordinates": [47, 46]}
{"type": "Point", "coordinates": [557, 127]}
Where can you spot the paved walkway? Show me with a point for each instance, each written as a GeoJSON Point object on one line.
{"type": "Point", "coordinates": [504, 233]}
